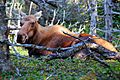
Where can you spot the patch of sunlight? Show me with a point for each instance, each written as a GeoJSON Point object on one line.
{"type": "Point", "coordinates": [20, 50]}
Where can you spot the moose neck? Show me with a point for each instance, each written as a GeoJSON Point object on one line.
{"type": "Point", "coordinates": [39, 34]}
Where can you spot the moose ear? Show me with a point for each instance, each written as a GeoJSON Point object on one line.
{"type": "Point", "coordinates": [38, 15]}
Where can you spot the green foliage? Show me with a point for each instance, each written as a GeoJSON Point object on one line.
{"type": "Point", "coordinates": [116, 20]}
{"type": "Point", "coordinates": [59, 69]}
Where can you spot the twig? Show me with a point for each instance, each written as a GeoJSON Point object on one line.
{"type": "Point", "coordinates": [20, 56]}
{"type": "Point", "coordinates": [50, 76]}
{"type": "Point", "coordinates": [113, 12]}
{"type": "Point", "coordinates": [71, 26]}
{"type": "Point", "coordinates": [63, 18]}
{"type": "Point", "coordinates": [30, 8]}
{"type": "Point", "coordinates": [78, 39]}
{"type": "Point", "coordinates": [18, 71]}
{"type": "Point", "coordinates": [38, 3]}
{"type": "Point", "coordinates": [16, 53]}
{"type": "Point", "coordinates": [11, 19]}
{"type": "Point", "coordinates": [106, 31]}
{"type": "Point", "coordinates": [99, 60]}
{"type": "Point", "coordinates": [63, 55]}
{"type": "Point", "coordinates": [14, 28]}
{"type": "Point", "coordinates": [54, 15]}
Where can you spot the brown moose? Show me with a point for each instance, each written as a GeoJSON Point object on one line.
{"type": "Point", "coordinates": [32, 32]}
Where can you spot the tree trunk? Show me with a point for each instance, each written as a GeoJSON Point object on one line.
{"type": "Point", "coordinates": [93, 17]}
{"type": "Point", "coordinates": [5, 64]}
{"type": "Point", "coordinates": [108, 18]}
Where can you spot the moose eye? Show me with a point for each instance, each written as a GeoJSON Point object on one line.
{"type": "Point", "coordinates": [32, 24]}
{"type": "Point", "coordinates": [21, 24]}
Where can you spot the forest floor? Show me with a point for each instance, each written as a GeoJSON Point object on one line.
{"type": "Point", "coordinates": [60, 69]}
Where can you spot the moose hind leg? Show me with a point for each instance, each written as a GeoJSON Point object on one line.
{"type": "Point", "coordinates": [30, 53]}
{"type": "Point", "coordinates": [34, 53]}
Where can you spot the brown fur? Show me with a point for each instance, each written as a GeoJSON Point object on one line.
{"type": "Point", "coordinates": [51, 37]}
{"type": "Point", "coordinates": [99, 41]}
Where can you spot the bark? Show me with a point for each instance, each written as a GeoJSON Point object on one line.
{"type": "Point", "coordinates": [108, 18]}
{"type": "Point", "coordinates": [93, 17]}
{"type": "Point", "coordinates": [5, 64]}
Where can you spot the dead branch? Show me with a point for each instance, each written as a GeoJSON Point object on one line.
{"type": "Point", "coordinates": [11, 19]}
{"type": "Point", "coordinates": [113, 12]}
{"type": "Point", "coordinates": [81, 44]}
{"type": "Point", "coordinates": [38, 2]}
{"type": "Point", "coordinates": [72, 52]}
{"type": "Point", "coordinates": [113, 30]}
{"type": "Point", "coordinates": [118, 46]}
{"type": "Point", "coordinates": [62, 55]}
{"type": "Point", "coordinates": [13, 28]}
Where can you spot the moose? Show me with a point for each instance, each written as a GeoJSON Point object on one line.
{"type": "Point", "coordinates": [32, 32]}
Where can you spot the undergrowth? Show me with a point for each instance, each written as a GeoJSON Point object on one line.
{"type": "Point", "coordinates": [60, 69]}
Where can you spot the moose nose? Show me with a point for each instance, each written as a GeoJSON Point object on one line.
{"type": "Point", "coordinates": [22, 37]}
{"type": "Point", "coordinates": [19, 38]}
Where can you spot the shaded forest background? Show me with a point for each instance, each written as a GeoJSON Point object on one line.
{"type": "Point", "coordinates": [77, 15]}
{"type": "Point", "coordinates": [97, 17]}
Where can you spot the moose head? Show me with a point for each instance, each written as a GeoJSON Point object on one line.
{"type": "Point", "coordinates": [29, 26]}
